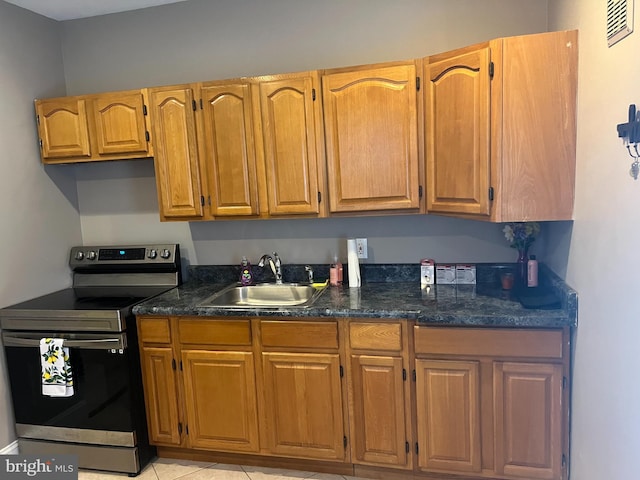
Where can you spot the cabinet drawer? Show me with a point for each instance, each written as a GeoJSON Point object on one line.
{"type": "Point", "coordinates": [299, 334]}
{"type": "Point", "coordinates": [154, 330]}
{"type": "Point", "coordinates": [215, 332]}
{"type": "Point", "coordinates": [488, 342]}
{"type": "Point", "coordinates": [375, 336]}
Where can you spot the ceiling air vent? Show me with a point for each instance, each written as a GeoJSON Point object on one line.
{"type": "Point", "coordinates": [619, 20]}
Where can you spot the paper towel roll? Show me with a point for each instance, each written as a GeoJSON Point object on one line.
{"type": "Point", "coordinates": [353, 262]}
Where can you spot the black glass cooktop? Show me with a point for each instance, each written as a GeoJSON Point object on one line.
{"type": "Point", "coordinates": [71, 299]}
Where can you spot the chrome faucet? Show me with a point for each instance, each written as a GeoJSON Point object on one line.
{"type": "Point", "coordinates": [274, 263]}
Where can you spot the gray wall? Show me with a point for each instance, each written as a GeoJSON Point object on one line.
{"type": "Point", "coordinates": [202, 40]}
{"type": "Point", "coordinates": [39, 212]}
{"type": "Point", "coordinates": [603, 257]}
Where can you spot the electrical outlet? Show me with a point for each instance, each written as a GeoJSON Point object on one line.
{"type": "Point", "coordinates": [361, 247]}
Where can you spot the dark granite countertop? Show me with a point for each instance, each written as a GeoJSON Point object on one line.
{"type": "Point", "coordinates": [387, 291]}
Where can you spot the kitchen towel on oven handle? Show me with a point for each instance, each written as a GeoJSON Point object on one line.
{"type": "Point", "coordinates": [57, 380]}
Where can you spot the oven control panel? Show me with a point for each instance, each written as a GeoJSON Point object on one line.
{"type": "Point", "coordinates": [158, 254]}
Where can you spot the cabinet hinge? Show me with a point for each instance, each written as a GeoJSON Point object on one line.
{"type": "Point", "coordinates": [417, 84]}
{"type": "Point", "coordinates": [417, 449]}
{"type": "Point", "coordinates": [564, 460]}
{"type": "Point", "coordinates": [413, 374]}
{"type": "Point", "coordinates": [404, 374]}
{"type": "Point", "coordinates": [146, 136]}
{"type": "Point", "coordinates": [38, 119]}
{"type": "Point", "coordinates": [419, 191]}
{"type": "Point", "coordinates": [344, 441]}
{"type": "Point", "coordinates": [193, 104]}
{"type": "Point", "coordinates": [564, 382]}
{"type": "Point", "coordinates": [173, 364]}
{"type": "Point", "coordinates": [144, 109]}
{"type": "Point", "coordinates": [341, 371]}
{"type": "Point", "coordinates": [179, 429]}
{"type": "Point", "coordinates": [313, 94]}
{"type": "Point", "coordinates": [186, 427]}
{"type": "Point", "coordinates": [202, 200]}
{"type": "Point", "coordinates": [180, 365]}
{"type": "Point", "coordinates": [491, 194]}
{"type": "Point", "coordinates": [201, 105]}
{"type": "Point", "coordinates": [319, 197]}
{"type": "Point", "coordinates": [407, 447]}
{"type": "Point", "coordinates": [40, 142]}
{"type": "Point", "coordinates": [491, 69]}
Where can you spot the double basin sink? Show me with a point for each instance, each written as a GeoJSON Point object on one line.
{"type": "Point", "coordinates": [265, 295]}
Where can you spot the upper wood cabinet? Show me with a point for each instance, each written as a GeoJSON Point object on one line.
{"type": "Point", "coordinates": [290, 124]}
{"type": "Point", "coordinates": [501, 127]}
{"type": "Point", "coordinates": [107, 126]}
{"type": "Point", "coordinates": [371, 126]}
{"type": "Point", "coordinates": [228, 148]}
{"type": "Point", "coordinates": [119, 122]}
{"type": "Point", "coordinates": [261, 145]}
{"type": "Point", "coordinates": [457, 125]}
{"type": "Point", "coordinates": [176, 153]}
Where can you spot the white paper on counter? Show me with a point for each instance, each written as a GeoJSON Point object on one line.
{"type": "Point", "coordinates": [353, 263]}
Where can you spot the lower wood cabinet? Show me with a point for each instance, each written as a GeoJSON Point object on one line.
{"type": "Point", "coordinates": [303, 404]}
{"type": "Point", "coordinates": [220, 400]}
{"type": "Point", "coordinates": [528, 416]}
{"type": "Point", "coordinates": [492, 401]}
{"type": "Point", "coordinates": [448, 415]}
{"type": "Point", "coordinates": [301, 371]}
{"type": "Point", "coordinates": [161, 395]}
{"type": "Point", "coordinates": [376, 396]}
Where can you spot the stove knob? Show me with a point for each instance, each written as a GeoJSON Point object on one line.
{"type": "Point", "coordinates": [152, 254]}
{"type": "Point", "coordinates": [91, 255]}
{"type": "Point", "coordinates": [165, 253]}
{"type": "Point", "coordinates": [79, 255]}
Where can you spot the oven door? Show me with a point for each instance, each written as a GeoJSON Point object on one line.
{"type": "Point", "coordinates": [102, 407]}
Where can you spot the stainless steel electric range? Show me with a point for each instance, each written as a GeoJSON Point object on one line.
{"type": "Point", "coordinates": [104, 421]}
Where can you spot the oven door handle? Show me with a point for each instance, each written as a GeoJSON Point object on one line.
{"type": "Point", "coordinates": [118, 343]}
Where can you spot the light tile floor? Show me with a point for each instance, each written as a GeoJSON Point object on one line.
{"type": "Point", "coordinates": [172, 469]}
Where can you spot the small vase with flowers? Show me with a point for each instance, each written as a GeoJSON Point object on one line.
{"type": "Point", "coordinates": [521, 236]}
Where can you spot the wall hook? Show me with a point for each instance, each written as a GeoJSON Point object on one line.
{"type": "Point", "coordinates": [630, 134]}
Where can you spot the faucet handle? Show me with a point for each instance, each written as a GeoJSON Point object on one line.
{"type": "Point", "coordinates": [309, 270]}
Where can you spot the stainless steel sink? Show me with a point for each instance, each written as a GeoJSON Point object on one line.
{"type": "Point", "coordinates": [264, 295]}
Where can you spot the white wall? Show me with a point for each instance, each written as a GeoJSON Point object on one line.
{"type": "Point", "coordinates": [604, 256]}
{"type": "Point", "coordinates": [38, 206]}
{"type": "Point", "coordinates": [202, 40]}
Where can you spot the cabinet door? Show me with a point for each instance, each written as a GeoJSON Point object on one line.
{"type": "Point", "coordinates": [448, 415]}
{"type": "Point", "coordinates": [119, 123]}
{"type": "Point", "coordinates": [290, 118]}
{"type": "Point", "coordinates": [176, 153]}
{"type": "Point", "coordinates": [304, 404]}
{"type": "Point", "coordinates": [457, 133]}
{"type": "Point", "coordinates": [528, 420]}
{"type": "Point", "coordinates": [378, 424]}
{"type": "Point", "coordinates": [62, 126]}
{"type": "Point", "coordinates": [161, 395]}
{"type": "Point", "coordinates": [229, 152]}
{"type": "Point", "coordinates": [220, 396]}
{"type": "Point", "coordinates": [372, 141]}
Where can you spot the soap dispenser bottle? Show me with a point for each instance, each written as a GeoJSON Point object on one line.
{"type": "Point", "coordinates": [335, 272]}
{"type": "Point", "coordinates": [246, 275]}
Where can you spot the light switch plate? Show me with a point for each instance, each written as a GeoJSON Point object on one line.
{"type": "Point", "coordinates": [361, 247]}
